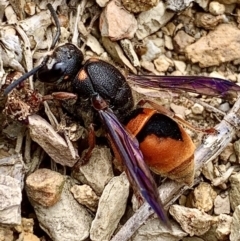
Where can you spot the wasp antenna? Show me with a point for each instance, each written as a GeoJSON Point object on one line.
{"type": "Point", "coordinates": [57, 23]}
{"type": "Point", "coordinates": [24, 77]}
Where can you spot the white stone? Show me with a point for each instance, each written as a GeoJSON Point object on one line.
{"type": "Point", "coordinates": [98, 171]}
{"type": "Point", "coordinates": [221, 205]}
{"type": "Point", "coordinates": [224, 227]}
{"type": "Point", "coordinates": [197, 109]}
{"type": "Point", "coordinates": [192, 221]}
{"type": "Point", "coordinates": [235, 227]}
{"type": "Point", "coordinates": [102, 3]}
{"type": "Point", "coordinates": [216, 8]}
{"type": "Point", "coordinates": [111, 207]}
{"type": "Point", "coordinates": [162, 63]}
{"type": "Point", "coordinates": [168, 42]}
{"type": "Point", "coordinates": [152, 20]}
{"type": "Point", "coordinates": [66, 220]}
{"type": "Point", "coordinates": [154, 230]}
{"type": "Point", "coordinates": [152, 51]}
{"type": "Point", "coordinates": [180, 65]}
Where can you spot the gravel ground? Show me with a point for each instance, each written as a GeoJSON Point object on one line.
{"type": "Point", "coordinates": [43, 198]}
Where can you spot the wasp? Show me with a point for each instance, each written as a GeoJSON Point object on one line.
{"type": "Point", "coordinates": [143, 139]}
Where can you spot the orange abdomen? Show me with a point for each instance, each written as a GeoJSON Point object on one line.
{"type": "Point", "coordinates": [166, 147]}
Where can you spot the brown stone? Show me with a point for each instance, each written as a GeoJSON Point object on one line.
{"type": "Point", "coordinates": [44, 187]}
{"type": "Point", "coordinates": [116, 22]}
{"type": "Point", "coordinates": [219, 46]}
{"type": "Point", "coordinates": [137, 6]}
{"type": "Point", "coordinates": [181, 40]}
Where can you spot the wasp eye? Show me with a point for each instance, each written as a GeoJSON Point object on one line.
{"type": "Point", "coordinates": [52, 75]}
{"type": "Point", "coordinates": [59, 68]}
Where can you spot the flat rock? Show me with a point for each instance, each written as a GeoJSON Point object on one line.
{"type": "Point", "coordinates": [94, 45]}
{"type": "Point", "coordinates": [203, 3]}
{"type": "Point", "coordinates": [137, 6]}
{"type": "Point", "coordinates": [180, 66]}
{"type": "Point", "coordinates": [111, 207]}
{"type": "Point", "coordinates": [224, 226]}
{"type": "Point", "coordinates": [85, 196]}
{"type": "Point", "coordinates": [52, 143]}
{"type": "Point", "coordinates": [66, 220]}
{"type": "Point", "coordinates": [44, 186]}
{"type": "Point", "coordinates": [178, 109]}
{"type": "Point", "coordinates": [116, 22]}
{"type": "Point", "coordinates": [203, 197]}
{"type": "Point", "coordinates": [192, 221]}
{"type": "Point", "coordinates": [168, 42]}
{"type": "Point", "coordinates": [153, 229]}
{"type": "Point", "coordinates": [98, 171]}
{"type": "Point", "coordinates": [128, 49]}
{"type": "Point", "coordinates": [12, 173]}
{"type": "Point", "coordinates": [234, 193]}
{"type": "Point", "coordinates": [219, 46]}
{"type": "Point", "coordinates": [119, 54]}
{"type": "Point", "coordinates": [235, 227]}
{"type": "Point", "coordinates": [178, 5]}
{"type": "Point", "coordinates": [11, 197]}
{"type": "Point", "coordinates": [222, 204]}
{"type": "Point", "coordinates": [152, 20]}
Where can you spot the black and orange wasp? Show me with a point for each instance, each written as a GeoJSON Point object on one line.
{"type": "Point", "coordinates": [141, 138]}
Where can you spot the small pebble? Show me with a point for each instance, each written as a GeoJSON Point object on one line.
{"type": "Point", "coordinates": [85, 196]}
{"type": "Point", "coordinates": [216, 8]}
{"type": "Point", "coordinates": [227, 152]}
{"type": "Point", "coordinates": [225, 107]}
{"type": "Point", "coordinates": [235, 234]}
{"type": "Point", "coordinates": [162, 63]}
{"type": "Point", "coordinates": [112, 205]}
{"type": "Point", "coordinates": [192, 220]}
{"type": "Point", "coordinates": [202, 197]}
{"type": "Point", "coordinates": [224, 227]}
{"type": "Point", "coordinates": [222, 204]}
{"type": "Point", "coordinates": [152, 51]}
{"type": "Point", "coordinates": [234, 193]}
{"type": "Point", "coordinates": [180, 65]}
{"type": "Point", "coordinates": [236, 147]}
{"type": "Point", "coordinates": [45, 187]}
{"type": "Point", "coordinates": [168, 42]}
{"type": "Point", "coordinates": [197, 109]}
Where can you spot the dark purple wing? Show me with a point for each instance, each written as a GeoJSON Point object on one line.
{"type": "Point", "coordinates": [197, 84]}
{"type": "Point", "coordinates": [128, 149]}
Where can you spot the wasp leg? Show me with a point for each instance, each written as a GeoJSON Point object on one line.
{"type": "Point", "coordinates": [91, 144]}
{"type": "Point", "coordinates": [60, 96]}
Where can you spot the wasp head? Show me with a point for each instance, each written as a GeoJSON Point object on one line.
{"type": "Point", "coordinates": [62, 65]}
